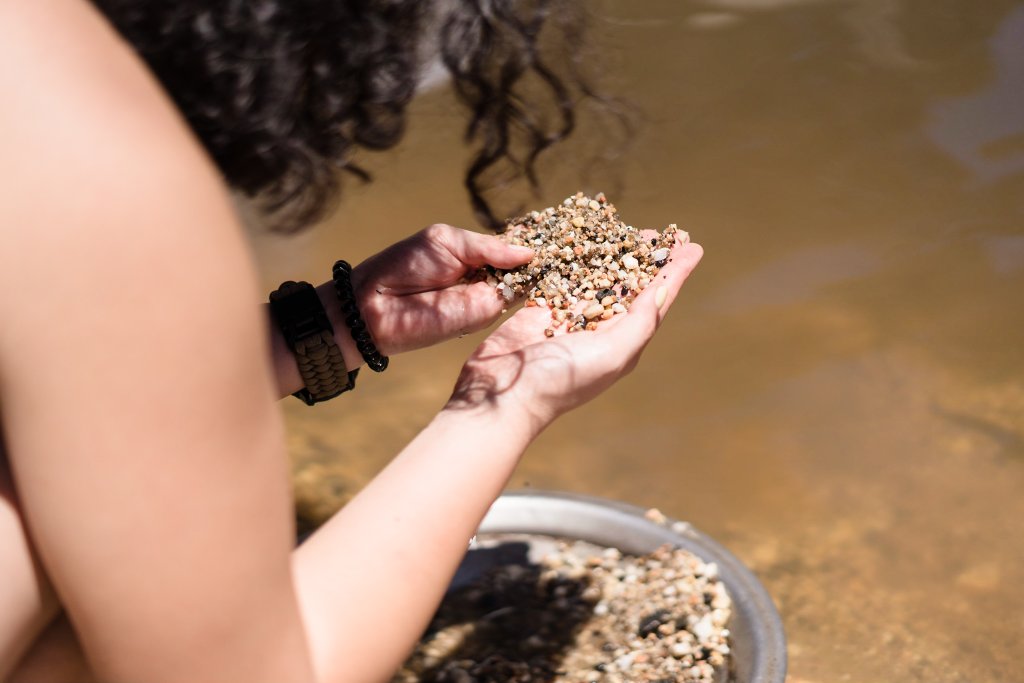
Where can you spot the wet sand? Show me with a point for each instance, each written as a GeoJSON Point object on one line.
{"type": "Point", "coordinates": [838, 394]}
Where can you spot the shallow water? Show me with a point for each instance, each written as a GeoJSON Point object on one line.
{"type": "Point", "coordinates": [838, 394]}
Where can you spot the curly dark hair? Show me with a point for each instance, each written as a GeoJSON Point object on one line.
{"type": "Point", "coordinates": [282, 93]}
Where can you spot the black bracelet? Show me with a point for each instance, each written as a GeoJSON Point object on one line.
{"type": "Point", "coordinates": [297, 310]}
{"type": "Point", "coordinates": [357, 326]}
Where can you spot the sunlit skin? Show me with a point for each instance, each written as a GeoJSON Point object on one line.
{"type": "Point", "coordinates": [139, 388]}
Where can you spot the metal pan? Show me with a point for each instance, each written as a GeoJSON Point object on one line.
{"type": "Point", "coordinates": [757, 642]}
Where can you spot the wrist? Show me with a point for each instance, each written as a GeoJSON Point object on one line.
{"type": "Point", "coordinates": [342, 337]}
{"type": "Point", "coordinates": [488, 406]}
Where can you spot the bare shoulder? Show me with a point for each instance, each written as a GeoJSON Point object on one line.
{"type": "Point", "coordinates": [100, 176]}
{"type": "Point", "coordinates": [117, 231]}
{"type": "Point", "coordinates": [83, 116]}
{"type": "Point", "coordinates": [138, 404]}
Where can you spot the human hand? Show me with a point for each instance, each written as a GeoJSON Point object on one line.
{"type": "Point", "coordinates": [412, 294]}
{"type": "Point", "coordinates": [546, 377]}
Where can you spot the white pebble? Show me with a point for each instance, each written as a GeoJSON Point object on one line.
{"type": "Point", "coordinates": [704, 628]}
{"type": "Point", "coordinates": [659, 254]}
{"type": "Point", "coordinates": [625, 662]}
{"type": "Point", "coordinates": [679, 650]}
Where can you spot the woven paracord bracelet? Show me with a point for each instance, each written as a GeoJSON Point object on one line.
{"type": "Point", "coordinates": [375, 360]}
{"type": "Point", "coordinates": [322, 368]}
{"type": "Point", "coordinates": [303, 322]}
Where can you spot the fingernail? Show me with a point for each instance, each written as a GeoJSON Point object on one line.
{"type": "Point", "coordinates": [660, 296]}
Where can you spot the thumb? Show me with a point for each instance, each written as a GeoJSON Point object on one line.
{"type": "Point", "coordinates": [475, 249]}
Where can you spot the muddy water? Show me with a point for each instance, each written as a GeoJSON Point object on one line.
{"type": "Point", "coordinates": [838, 396]}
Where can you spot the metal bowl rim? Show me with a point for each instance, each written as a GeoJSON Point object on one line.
{"type": "Point", "coordinates": [765, 623]}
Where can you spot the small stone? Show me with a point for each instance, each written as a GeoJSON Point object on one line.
{"type": "Point", "coordinates": [548, 332]}
{"type": "Point", "coordinates": [581, 245]}
{"type": "Point", "coordinates": [625, 662]}
{"type": "Point", "coordinates": [608, 300]}
{"type": "Point", "coordinates": [655, 515]}
{"type": "Point", "coordinates": [681, 649]}
{"type": "Point", "coordinates": [592, 311]}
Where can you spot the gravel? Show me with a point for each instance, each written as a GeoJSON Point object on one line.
{"type": "Point", "coordinates": [581, 615]}
{"type": "Point", "coordinates": [585, 253]}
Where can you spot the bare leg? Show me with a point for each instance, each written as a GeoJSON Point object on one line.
{"type": "Point", "coordinates": [27, 601]}
{"type": "Point", "coordinates": [55, 657]}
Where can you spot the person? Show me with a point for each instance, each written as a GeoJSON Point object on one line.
{"type": "Point", "coordinates": [146, 531]}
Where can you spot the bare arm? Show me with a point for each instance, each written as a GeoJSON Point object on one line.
{"type": "Point", "coordinates": [403, 535]}
{"type": "Point", "coordinates": [406, 531]}
{"type": "Point", "coordinates": [138, 407]}
{"type": "Point", "coordinates": [412, 295]}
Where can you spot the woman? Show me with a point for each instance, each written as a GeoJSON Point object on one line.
{"type": "Point", "coordinates": [144, 478]}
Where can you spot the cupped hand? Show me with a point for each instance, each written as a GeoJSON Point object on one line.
{"type": "Point", "coordinates": [546, 377]}
{"type": "Point", "coordinates": [413, 293]}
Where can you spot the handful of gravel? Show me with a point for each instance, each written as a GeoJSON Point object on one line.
{"type": "Point", "coordinates": [577, 617]}
{"type": "Point", "coordinates": [589, 267]}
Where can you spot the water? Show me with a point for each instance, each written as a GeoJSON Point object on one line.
{"type": "Point", "coordinates": [838, 394]}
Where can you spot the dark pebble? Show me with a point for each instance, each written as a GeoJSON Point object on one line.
{"type": "Point", "coordinates": [651, 622]}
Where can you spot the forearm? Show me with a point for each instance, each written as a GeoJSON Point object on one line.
{"type": "Point", "coordinates": [370, 579]}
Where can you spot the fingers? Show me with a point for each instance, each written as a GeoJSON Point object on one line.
{"type": "Point", "coordinates": [651, 306]}
{"type": "Point", "coordinates": [429, 317]}
{"type": "Point", "coordinates": [685, 258]}
{"type": "Point", "coordinates": [475, 249]}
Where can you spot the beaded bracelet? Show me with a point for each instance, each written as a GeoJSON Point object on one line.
{"type": "Point", "coordinates": [357, 326]}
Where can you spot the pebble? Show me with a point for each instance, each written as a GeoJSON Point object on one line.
{"type": "Point", "coordinates": [592, 311]}
{"type": "Point", "coordinates": [657, 516]}
{"type": "Point", "coordinates": [584, 252]}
